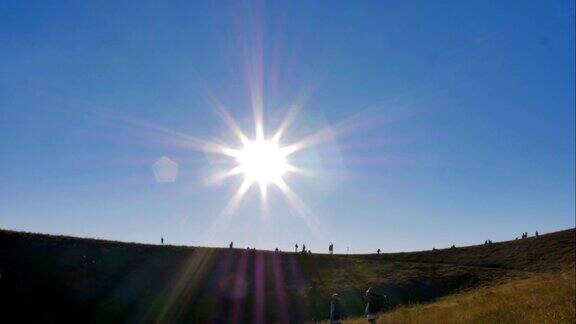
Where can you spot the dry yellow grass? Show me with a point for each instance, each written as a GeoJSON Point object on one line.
{"type": "Point", "coordinates": [545, 298]}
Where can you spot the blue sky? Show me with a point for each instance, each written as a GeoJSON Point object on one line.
{"type": "Point", "coordinates": [461, 114]}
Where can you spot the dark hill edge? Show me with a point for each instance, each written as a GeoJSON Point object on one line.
{"type": "Point", "coordinates": [59, 278]}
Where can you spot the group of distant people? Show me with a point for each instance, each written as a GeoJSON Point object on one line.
{"type": "Point", "coordinates": [330, 247]}
{"type": "Point", "coordinates": [231, 246]}
{"type": "Point", "coordinates": [525, 235]}
{"type": "Point", "coordinates": [296, 246]}
{"type": "Point", "coordinates": [303, 248]}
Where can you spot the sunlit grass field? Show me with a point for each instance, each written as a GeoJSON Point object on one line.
{"type": "Point", "coordinates": [546, 298]}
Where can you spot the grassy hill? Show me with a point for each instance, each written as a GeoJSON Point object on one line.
{"type": "Point", "coordinates": [54, 278]}
{"type": "Point", "coordinates": [542, 298]}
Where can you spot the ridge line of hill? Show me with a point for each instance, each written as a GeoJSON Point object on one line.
{"type": "Point", "coordinates": [109, 241]}
{"type": "Point", "coordinates": [68, 279]}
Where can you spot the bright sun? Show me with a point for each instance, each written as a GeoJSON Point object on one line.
{"type": "Point", "coordinates": [262, 161]}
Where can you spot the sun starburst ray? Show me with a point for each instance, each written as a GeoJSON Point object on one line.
{"type": "Point", "coordinates": [223, 219]}
{"type": "Point", "coordinates": [288, 119]}
{"type": "Point", "coordinates": [220, 176]}
{"type": "Point", "coordinates": [362, 120]}
{"type": "Point", "coordinates": [299, 206]}
{"type": "Point", "coordinates": [229, 120]}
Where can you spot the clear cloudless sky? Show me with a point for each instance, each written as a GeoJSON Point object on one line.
{"type": "Point", "coordinates": [462, 112]}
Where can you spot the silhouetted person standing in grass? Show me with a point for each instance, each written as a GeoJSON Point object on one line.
{"type": "Point", "coordinates": [372, 306]}
{"type": "Point", "coordinates": [378, 251]}
{"type": "Point", "coordinates": [336, 313]}
{"type": "Point", "coordinates": [296, 247]}
{"type": "Point", "coordinates": [231, 244]}
{"type": "Point", "coordinates": [331, 248]}
{"type": "Point", "coordinates": [303, 248]}
{"type": "Point", "coordinates": [536, 234]}
{"type": "Point", "coordinates": [162, 240]}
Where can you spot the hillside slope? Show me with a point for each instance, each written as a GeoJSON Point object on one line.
{"type": "Point", "coordinates": [542, 298]}
{"type": "Point", "coordinates": [55, 278]}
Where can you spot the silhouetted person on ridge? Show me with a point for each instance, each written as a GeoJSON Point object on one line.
{"type": "Point", "coordinates": [336, 313]}
{"type": "Point", "coordinates": [296, 247]}
{"type": "Point", "coordinates": [162, 240]}
{"type": "Point", "coordinates": [331, 248]}
{"type": "Point", "coordinates": [378, 251]}
{"type": "Point", "coordinates": [231, 244]}
{"type": "Point", "coordinates": [536, 234]}
{"type": "Point", "coordinates": [303, 248]}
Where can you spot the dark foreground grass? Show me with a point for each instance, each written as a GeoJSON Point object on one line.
{"type": "Point", "coordinates": [62, 279]}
